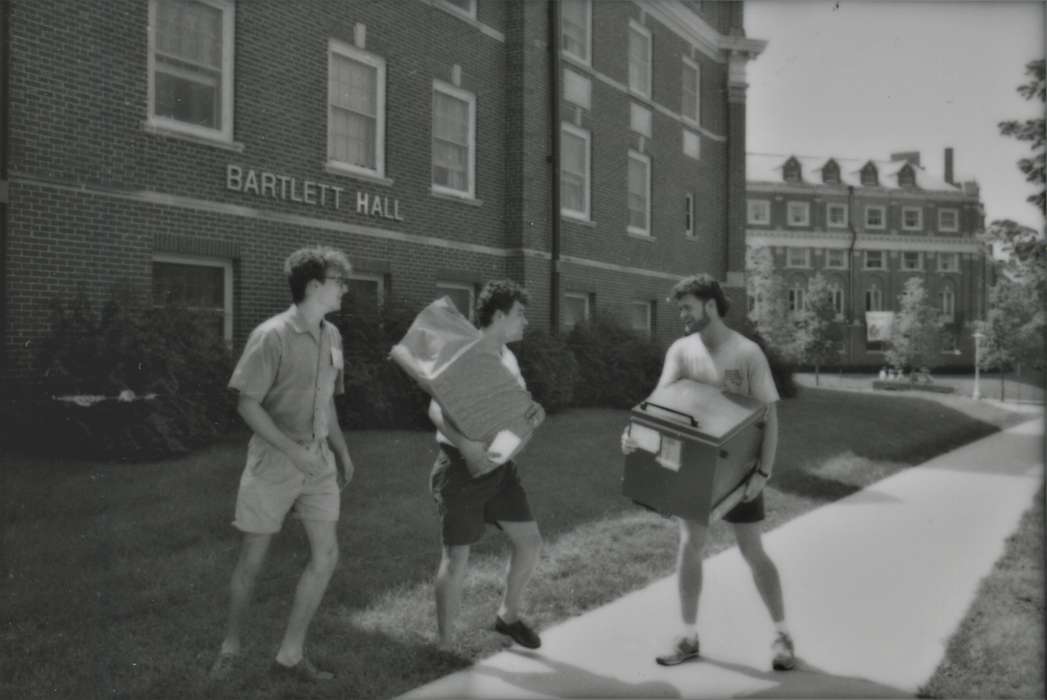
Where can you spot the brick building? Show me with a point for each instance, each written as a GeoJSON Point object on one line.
{"type": "Point", "coordinates": [187, 146]}
{"type": "Point", "coordinates": [868, 226]}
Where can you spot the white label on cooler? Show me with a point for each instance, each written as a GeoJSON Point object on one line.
{"type": "Point", "coordinates": [648, 439]}
{"type": "Point", "coordinates": [669, 456]}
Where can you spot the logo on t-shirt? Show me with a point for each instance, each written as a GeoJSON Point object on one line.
{"type": "Point", "coordinates": [733, 380]}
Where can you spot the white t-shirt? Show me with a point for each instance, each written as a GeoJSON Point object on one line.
{"type": "Point", "coordinates": [510, 362]}
{"type": "Point", "coordinates": [738, 365]}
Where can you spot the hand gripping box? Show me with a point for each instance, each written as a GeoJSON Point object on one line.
{"type": "Point", "coordinates": [478, 394]}
{"type": "Point", "coordinates": [698, 447]}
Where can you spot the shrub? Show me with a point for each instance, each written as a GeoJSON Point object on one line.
{"type": "Point", "coordinates": [550, 369]}
{"type": "Point", "coordinates": [167, 365]}
{"type": "Point", "coordinates": [618, 368]}
{"type": "Point", "coordinates": [378, 394]}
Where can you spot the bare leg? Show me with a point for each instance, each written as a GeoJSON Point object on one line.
{"type": "Point", "coordinates": [765, 573]}
{"type": "Point", "coordinates": [241, 586]}
{"type": "Point", "coordinates": [450, 578]}
{"type": "Point", "coordinates": [323, 546]}
{"type": "Point", "coordinates": [527, 544]}
{"type": "Point", "coordinates": [689, 568]}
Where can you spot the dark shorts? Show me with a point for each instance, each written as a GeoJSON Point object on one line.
{"type": "Point", "coordinates": [466, 504]}
{"type": "Point", "coordinates": [746, 511]}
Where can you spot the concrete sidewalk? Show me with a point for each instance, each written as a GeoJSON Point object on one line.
{"type": "Point", "coordinates": [874, 584]}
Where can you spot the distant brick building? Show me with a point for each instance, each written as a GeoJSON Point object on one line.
{"type": "Point", "coordinates": [187, 146]}
{"type": "Point", "coordinates": [868, 226]}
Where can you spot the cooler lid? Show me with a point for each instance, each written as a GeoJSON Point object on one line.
{"type": "Point", "coordinates": [715, 413]}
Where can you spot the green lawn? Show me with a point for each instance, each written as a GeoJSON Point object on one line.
{"type": "Point", "coordinates": [115, 575]}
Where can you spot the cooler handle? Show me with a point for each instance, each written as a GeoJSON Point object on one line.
{"type": "Point", "coordinates": [694, 422]}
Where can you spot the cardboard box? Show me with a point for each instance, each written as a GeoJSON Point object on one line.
{"type": "Point", "coordinates": [698, 447]}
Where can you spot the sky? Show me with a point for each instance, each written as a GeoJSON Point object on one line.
{"type": "Point", "coordinates": [864, 79]}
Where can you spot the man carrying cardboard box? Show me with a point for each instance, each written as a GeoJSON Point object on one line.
{"type": "Point", "coordinates": [472, 489]}
{"type": "Point", "coordinates": [714, 354]}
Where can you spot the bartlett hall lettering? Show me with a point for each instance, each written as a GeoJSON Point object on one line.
{"type": "Point", "coordinates": [263, 183]}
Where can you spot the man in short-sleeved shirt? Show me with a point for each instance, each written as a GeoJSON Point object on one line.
{"type": "Point", "coordinates": [290, 371]}
{"type": "Point", "coordinates": [714, 354]}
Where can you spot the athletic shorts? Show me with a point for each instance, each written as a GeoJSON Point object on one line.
{"type": "Point", "coordinates": [271, 485]}
{"type": "Point", "coordinates": [746, 511]}
{"type": "Point", "coordinates": [466, 504]}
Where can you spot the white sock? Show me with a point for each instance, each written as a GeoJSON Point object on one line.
{"type": "Point", "coordinates": [782, 628]}
{"type": "Point", "coordinates": [690, 631]}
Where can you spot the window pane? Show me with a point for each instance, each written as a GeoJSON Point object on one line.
{"type": "Point", "coordinates": [190, 31]}
{"type": "Point", "coordinates": [690, 91]}
{"type": "Point", "coordinates": [462, 298]}
{"type": "Point", "coordinates": [574, 32]}
{"type": "Point", "coordinates": [574, 311]}
{"type": "Point", "coordinates": [189, 98]}
{"type": "Point", "coordinates": [365, 292]}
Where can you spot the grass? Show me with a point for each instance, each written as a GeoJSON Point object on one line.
{"type": "Point", "coordinates": [115, 575]}
{"type": "Point", "coordinates": [998, 649]}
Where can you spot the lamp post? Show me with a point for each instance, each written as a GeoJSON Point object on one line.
{"type": "Point", "coordinates": [978, 335]}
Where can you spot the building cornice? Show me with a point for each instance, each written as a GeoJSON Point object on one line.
{"type": "Point", "coordinates": [864, 241]}
{"type": "Point", "coordinates": [686, 25]}
{"type": "Point", "coordinates": [833, 191]}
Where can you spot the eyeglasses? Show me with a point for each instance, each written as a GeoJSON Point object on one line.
{"type": "Point", "coordinates": [343, 281]}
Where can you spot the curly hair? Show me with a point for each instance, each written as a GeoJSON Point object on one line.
{"type": "Point", "coordinates": [704, 287]}
{"type": "Point", "coordinates": [312, 263]}
{"type": "Point", "coordinates": [499, 295]}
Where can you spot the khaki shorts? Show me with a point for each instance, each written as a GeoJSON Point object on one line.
{"type": "Point", "coordinates": [271, 484]}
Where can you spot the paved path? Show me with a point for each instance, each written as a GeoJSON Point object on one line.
{"type": "Point", "coordinates": [875, 584]}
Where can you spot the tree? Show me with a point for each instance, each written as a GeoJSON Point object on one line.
{"type": "Point", "coordinates": [1031, 130]}
{"type": "Point", "coordinates": [770, 303]}
{"type": "Point", "coordinates": [916, 331]}
{"type": "Point", "coordinates": [818, 335]}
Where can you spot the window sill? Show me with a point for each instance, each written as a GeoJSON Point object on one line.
{"type": "Point", "coordinates": [168, 132]}
{"type": "Point", "coordinates": [573, 60]}
{"type": "Point", "coordinates": [461, 198]}
{"type": "Point", "coordinates": [335, 169]}
{"type": "Point", "coordinates": [574, 219]}
{"type": "Point", "coordinates": [640, 236]}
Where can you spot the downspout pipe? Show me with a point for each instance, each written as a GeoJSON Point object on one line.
{"type": "Point", "coordinates": [5, 129]}
{"type": "Point", "coordinates": [554, 163]}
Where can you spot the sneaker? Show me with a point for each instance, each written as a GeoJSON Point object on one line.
{"type": "Point", "coordinates": [684, 650]}
{"type": "Point", "coordinates": [223, 666]}
{"type": "Point", "coordinates": [304, 670]}
{"type": "Point", "coordinates": [518, 632]}
{"type": "Point", "coordinates": [784, 655]}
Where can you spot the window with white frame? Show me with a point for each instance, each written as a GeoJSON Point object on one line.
{"type": "Point", "coordinates": [797, 257]}
{"type": "Point", "coordinates": [912, 218]}
{"type": "Point", "coordinates": [948, 262]}
{"type": "Point", "coordinates": [949, 220]}
{"type": "Point", "coordinates": [874, 260]}
{"type": "Point", "coordinates": [688, 215]}
{"type": "Point", "coordinates": [454, 140]}
{"type": "Point", "coordinates": [641, 317]}
{"type": "Point", "coordinates": [836, 215]}
{"type": "Point", "coordinates": [759, 212]}
{"type": "Point", "coordinates": [463, 295]}
{"type": "Point", "coordinates": [798, 213]}
{"type": "Point", "coordinates": [577, 89]}
{"type": "Point", "coordinates": [836, 259]}
{"type": "Point", "coordinates": [465, 7]}
{"type": "Point", "coordinates": [356, 110]}
{"type": "Point", "coordinates": [873, 298]}
{"type": "Point", "coordinates": [640, 119]}
{"type": "Point", "coordinates": [639, 59]}
{"type": "Point", "coordinates": [191, 66]}
{"type": "Point", "coordinates": [576, 21]}
{"type": "Point", "coordinates": [575, 310]}
{"type": "Point", "coordinates": [912, 260]}
{"type": "Point", "coordinates": [202, 285]}
{"type": "Point", "coordinates": [574, 172]}
{"type": "Point", "coordinates": [947, 301]}
{"type": "Point", "coordinates": [875, 217]}
{"type": "Point", "coordinates": [836, 291]}
{"type": "Point", "coordinates": [692, 144]}
{"type": "Point", "coordinates": [639, 194]}
{"type": "Point", "coordinates": [691, 91]}
{"type": "Point", "coordinates": [797, 293]}
{"type": "Point", "coordinates": [367, 288]}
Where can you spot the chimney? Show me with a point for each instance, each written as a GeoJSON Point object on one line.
{"type": "Point", "coordinates": [948, 166]}
{"type": "Point", "coordinates": [908, 156]}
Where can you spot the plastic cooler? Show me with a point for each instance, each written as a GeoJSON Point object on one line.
{"type": "Point", "coordinates": [698, 447]}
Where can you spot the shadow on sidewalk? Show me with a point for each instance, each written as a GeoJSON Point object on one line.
{"type": "Point", "coordinates": [807, 681]}
{"type": "Point", "coordinates": [567, 680]}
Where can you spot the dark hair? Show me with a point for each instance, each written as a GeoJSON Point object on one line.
{"type": "Point", "coordinates": [499, 296]}
{"type": "Point", "coordinates": [307, 264]}
{"type": "Point", "coordinates": [704, 287]}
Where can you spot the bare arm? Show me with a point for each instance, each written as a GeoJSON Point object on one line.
{"type": "Point", "coordinates": [336, 440]}
{"type": "Point", "coordinates": [259, 421]}
{"type": "Point", "coordinates": [474, 452]}
{"type": "Point", "coordinates": [769, 448]}
{"type": "Point", "coordinates": [670, 373]}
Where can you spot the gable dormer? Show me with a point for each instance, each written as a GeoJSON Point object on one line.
{"type": "Point", "coordinates": [907, 176]}
{"type": "Point", "coordinates": [791, 171]}
{"type": "Point", "coordinates": [870, 175]}
{"type": "Point", "coordinates": [831, 172]}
